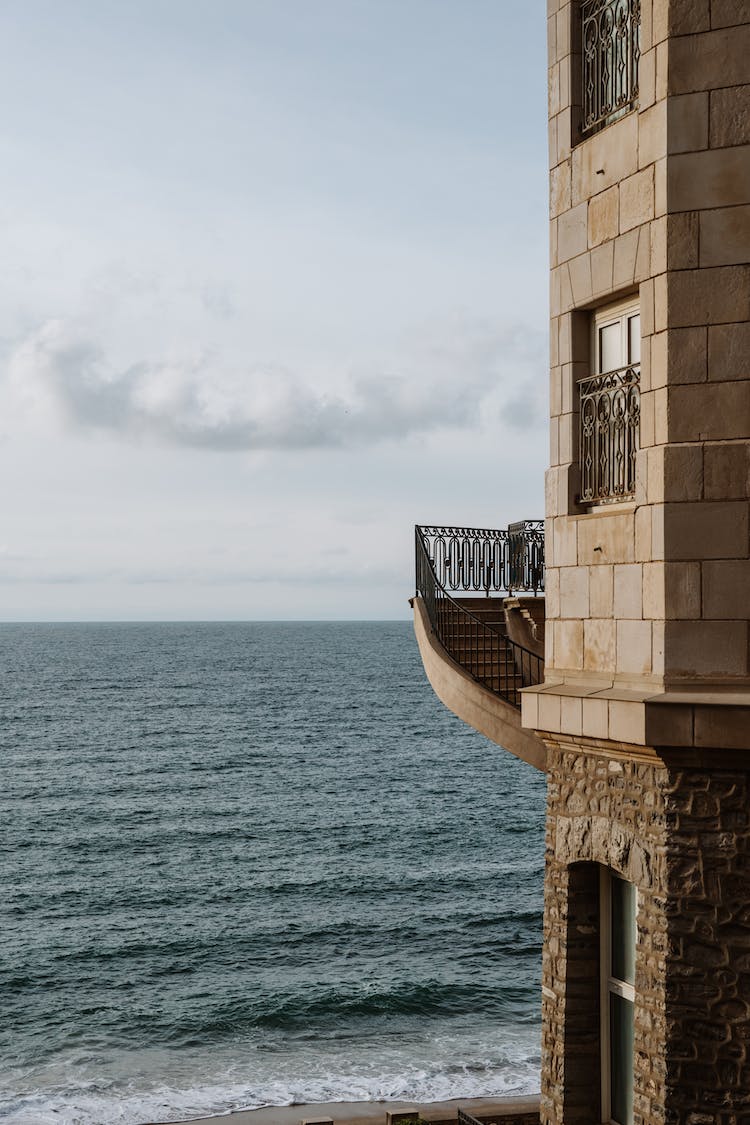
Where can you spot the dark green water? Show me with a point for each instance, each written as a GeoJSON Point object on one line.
{"type": "Point", "coordinates": [255, 863]}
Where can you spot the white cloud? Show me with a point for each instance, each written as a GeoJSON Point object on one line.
{"type": "Point", "coordinates": [200, 398]}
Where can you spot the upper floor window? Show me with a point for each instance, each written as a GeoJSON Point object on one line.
{"type": "Point", "coordinates": [610, 49]}
{"type": "Point", "coordinates": [609, 403]}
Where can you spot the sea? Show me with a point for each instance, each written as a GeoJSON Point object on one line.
{"type": "Point", "coordinates": [248, 864]}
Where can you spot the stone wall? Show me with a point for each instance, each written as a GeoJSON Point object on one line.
{"type": "Point", "coordinates": [657, 205]}
{"type": "Point", "coordinates": [683, 838]}
{"type": "Point", "coordinates": [708, 957]}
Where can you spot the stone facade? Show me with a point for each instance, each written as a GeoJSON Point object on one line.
{"type": "Point", "coordinates": [682, 836]}
{"type": "Point", "coordinates": [658, 205]}
{"type": "Point", "coordinates": [645, 709]}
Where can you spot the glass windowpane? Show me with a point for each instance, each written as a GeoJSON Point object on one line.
{"type": "Point", "coordinates": [610, 347]}
{"type": "Point", "coordinates": [623, 930]}
{"type": "Point", "coordinates": [621, 1059]}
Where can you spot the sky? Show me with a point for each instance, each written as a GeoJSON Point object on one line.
{"type": "Point", "coordinates": [273, 290]}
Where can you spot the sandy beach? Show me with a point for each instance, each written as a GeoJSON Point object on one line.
{"type": "Point", "coordinates": [351, 1113]}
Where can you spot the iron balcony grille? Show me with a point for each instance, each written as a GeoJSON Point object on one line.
{"type": "Point", "coordinates": [482, 560]}
{"type": "Point", "coordinates": [610, 426]}
{"type": "Point", "coordinates": [611, 56]}
{"type": "Point", "coordinates": [465, 558]}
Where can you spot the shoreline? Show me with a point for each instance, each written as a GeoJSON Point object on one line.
{"type": "Point", "coordinates": [351, 1113]}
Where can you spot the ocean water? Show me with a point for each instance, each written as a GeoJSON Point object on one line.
{"type": "Point", "coordinates": [250, 864]}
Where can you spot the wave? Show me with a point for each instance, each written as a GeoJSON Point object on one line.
{"type": "Point", "coordinates": [174, 1088]}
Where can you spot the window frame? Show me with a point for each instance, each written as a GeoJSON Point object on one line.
{"type": "Point", "coordinates": [607, 315]}
{"type": "Point", "coordinates": [611, 985]}
{"type": "Point", "coordinates": [608, 410]}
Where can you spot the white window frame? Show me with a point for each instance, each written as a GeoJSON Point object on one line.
{"type": "Point", "coordinates": [619, 312]}
{"type": "Point", "coordinates": [609, 985]}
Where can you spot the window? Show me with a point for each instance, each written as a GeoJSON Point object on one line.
{"type": "Point", "coordinates": [610, 55]}
{"type": "Point", "coordinates": [609, 403]}
{"type": "Point", "coordinates": [617, 960]}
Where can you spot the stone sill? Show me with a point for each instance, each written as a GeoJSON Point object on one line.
{"type": "Point", "coordinates": [703, 720]}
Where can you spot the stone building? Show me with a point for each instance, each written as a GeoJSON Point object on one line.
{"type": "Point", "coordinates": [641, 711]}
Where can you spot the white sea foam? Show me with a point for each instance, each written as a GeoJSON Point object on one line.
{"type": "Point", "coordinates": [432, 1069]}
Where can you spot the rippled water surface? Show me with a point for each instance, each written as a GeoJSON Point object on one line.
{"type": "Point", "coordinates": [255, 863]}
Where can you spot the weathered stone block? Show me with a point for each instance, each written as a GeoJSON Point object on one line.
{"type": "Point", "coordinates": [708, 412]}
{"type": "Point", "coordinates": [601, 591]}
{"type": "Point", "coordinates": [580, 279]}
{"type": "Point", "coordinates": [633, 648]}
{"type": "Point", "coordinates": [718, 177]}
{"type": "Point", "coordinates": [605, 159]}
{"type": "Point", "coordinates": [687, 123]}
{"type": "Point", "coordinates": [637, 200]}
{"type": "Point", "coordinates": [574, 591]}
{"type": "Point", "coordinates": [710, 61]}
{"type": "Point", "coordinates": [729, 351]}
{"type": "Point", "coordinates": [689, 16]}
{"type": "Point", "coordinates": [682, 465]}
{"type": "Point", "coordinates": [568, 644]}
{"type": "Point", "coordinates": [599, 644]}
{"type": "Point", "coordinates": [652, 133]}
{"type": "Point", "coordinates": [706, 530]}
{"type": "Point", "coordinates": [605, 538]}
{"type": "Point", "coordinates": [602, 269]}
{"type": "Point", "coordinates": [730, 116]}
{"type": "Point", "coordinates": [726, 588]}
{"type": "Point", "coordinates": [628, 591]}
{"type": "Point", "coordinates": [706, 648]}
{"type": "Point", "coordinates": [726, 471]}
{"type": "Point", "coordinates": [625, 256]}
{"type": "Point", "coordinates": [726, 13]}
{"type": "Point", "coordinates": [682, 590]}
{"type": "Point", "coordinates": [683, 233]}
{"type": "Point", "coordinates": [725, 236]}
{"type": "Point", "coordinates": [603, 216]}
{"type": "Point", "coordinates": [572, 232]}
{"type": "Point", "coordinates": [559, 185]}
{"type": "Point", "coordinates": [708, 296]}
{"type": "Point", "coordinates": [688, 355]}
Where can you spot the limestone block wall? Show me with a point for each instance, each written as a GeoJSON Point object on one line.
{"type": "Point", "coordinates": [656, 205]}
{"type": "Point", "coordinates": [682, 836]}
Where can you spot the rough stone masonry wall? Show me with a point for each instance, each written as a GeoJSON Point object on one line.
{"type": "Point", "coordinates": [683, 838]}
{"type": "Point", "coordinates": [708, 957]}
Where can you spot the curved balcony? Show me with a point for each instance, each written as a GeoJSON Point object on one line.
{"type": "Point", "coordinates": [481, 639]}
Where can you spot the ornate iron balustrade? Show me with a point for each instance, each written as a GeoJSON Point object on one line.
{"type": "Point", "coordinates": [482, 560]}
{"type": "Point", "coordinates": [610, 427]}
{"type": "Point", "coordinates": [611, 55]}
{"type": "Point", "coordinates": [526, 555]}
{"type": "Point", "coordinates": [484, 651]}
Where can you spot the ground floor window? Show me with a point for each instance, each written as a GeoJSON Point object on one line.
{"type": "Point", "coordinates": [617, 960]}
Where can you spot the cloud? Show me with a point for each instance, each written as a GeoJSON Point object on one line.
{"type": "Point", "coordinates": [200, 399]}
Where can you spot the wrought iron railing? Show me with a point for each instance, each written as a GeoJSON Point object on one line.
{"type": "Point", "coordinates": [482, 560]}
{"type": "Point", "coordinates": [611, 56]}
{"type": "Point", "coordinates": [610, 427]}
{"type": "Point", "coordinates": [468, 559]}
{"type": "Point", "coordinates": [526, 555]}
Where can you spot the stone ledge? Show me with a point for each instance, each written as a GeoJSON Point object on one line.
{"type": "Point", "coordinates": [702, 720]}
